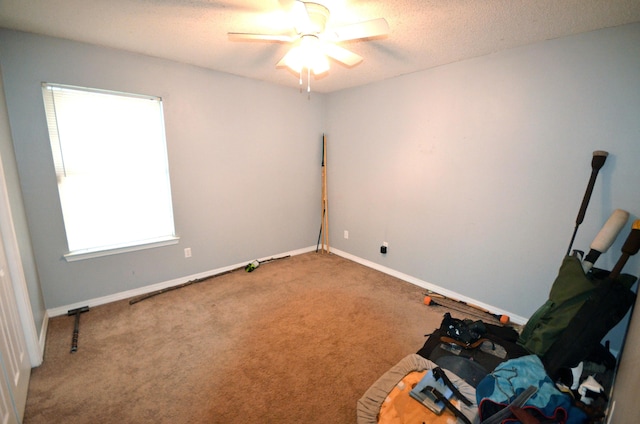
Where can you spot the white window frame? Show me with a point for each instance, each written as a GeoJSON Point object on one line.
{"type": "Point", "coordinates": [125, 146]}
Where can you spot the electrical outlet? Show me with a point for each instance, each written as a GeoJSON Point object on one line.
{"type": "Point", "coordinates": [187, 252]}
{"type": "Point", "coordinates": [346, 234]}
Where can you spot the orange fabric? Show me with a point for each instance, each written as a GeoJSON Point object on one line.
{"type": "Point", "coordinates": [400, 408]}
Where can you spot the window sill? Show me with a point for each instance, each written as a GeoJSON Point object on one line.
{"type": "Point", "coordinates": [95, 253]}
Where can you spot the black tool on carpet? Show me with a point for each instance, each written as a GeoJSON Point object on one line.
{"type": "Point", "coordinates": [76, 326]}
{"type": "Point", "coordinates": [249, 268]}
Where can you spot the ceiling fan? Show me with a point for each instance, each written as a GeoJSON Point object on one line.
{"type": "Point", "coordinates": [313, 42]}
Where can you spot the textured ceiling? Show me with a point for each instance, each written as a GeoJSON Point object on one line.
{"type": "Point", "coordinates": [424, 33]}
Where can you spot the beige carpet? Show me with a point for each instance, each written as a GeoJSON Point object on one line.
{"type": "Point", "coordinates": [298, 340]}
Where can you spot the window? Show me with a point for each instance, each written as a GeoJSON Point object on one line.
{"type": "Point", "coordinates": [110, 158]}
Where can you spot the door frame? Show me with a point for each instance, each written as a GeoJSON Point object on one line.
{"type": "Point", "coordinates": [16, 273]}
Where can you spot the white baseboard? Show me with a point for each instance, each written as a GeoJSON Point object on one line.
{"type": "Point", "coordinates": [516, 319]}
{"type": "Point", "coordinates": [62, 310]}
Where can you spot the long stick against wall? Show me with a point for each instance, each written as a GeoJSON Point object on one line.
{"type": "Point", "coordinates": [324, 227]}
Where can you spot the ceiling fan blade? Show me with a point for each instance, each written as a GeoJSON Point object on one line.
{"type": "Point", "coordinates": [243, 36]}
{"type": "Point", "coordinates": [287, 4]}
{"type": "Point", "coordinates": [366, 29]}
{"type": "Point", "coordinates": [301, 20]}
{"type": "Point", "coordinates": [285, 59]}
{"type": "Point", "coordinates": [340, 54]}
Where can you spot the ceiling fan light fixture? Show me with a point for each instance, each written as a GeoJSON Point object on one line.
{"type": "Point", "coordinates": [314, 43]}
{"type": "Point", "coordinates": [307, 55]}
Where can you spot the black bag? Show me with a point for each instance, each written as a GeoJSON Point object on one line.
{"type": "Point", "coordinates": [606, 306]}
{"type": "Point", "coordinates": [471, 349]}
{"type": "Point", "coordinates": [464, 331]}
{"type": "Point", "coordinates": [569, 291]}
{"type": "Point", "coordinates": [569, 295]}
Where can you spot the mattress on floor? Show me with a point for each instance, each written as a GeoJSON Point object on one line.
{"type": "Point", "coordinates": [387, 400]}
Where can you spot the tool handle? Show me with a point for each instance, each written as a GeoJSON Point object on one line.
{"type": "Point", "coordinates": [629, 248]}
{"type": "Point", "coordinates": [597, 161]}
{"type": "Point", "coordinates": [74, 342]}
{"type": "Point", "coordinates": [76, 331]}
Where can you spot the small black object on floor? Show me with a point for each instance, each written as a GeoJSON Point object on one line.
{"type": "Point", "coordinates": [76, 326]}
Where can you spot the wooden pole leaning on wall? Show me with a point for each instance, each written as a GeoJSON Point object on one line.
{"type": "Point", "coordinates": [324, 228]}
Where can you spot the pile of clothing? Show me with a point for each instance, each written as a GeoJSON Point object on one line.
{"type": "Point", "coordinates": [550, 372]}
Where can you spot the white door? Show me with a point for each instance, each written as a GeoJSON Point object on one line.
{"type": "Point", "coordinates": [7, 410]}
{"type": "Point", "coordinates": [14, 361]}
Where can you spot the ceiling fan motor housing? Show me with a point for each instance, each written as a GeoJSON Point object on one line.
{"type": "Point", "coordinates": [318, 16]}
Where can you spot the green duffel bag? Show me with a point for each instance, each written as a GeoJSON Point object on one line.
{"type": "Point", "coordinates": [570, 290]}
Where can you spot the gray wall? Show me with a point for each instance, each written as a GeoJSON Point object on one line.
{"type": "Point", "coordinates": [474, 172]}
{"type": "Point", "coordinates": [244, 160]}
